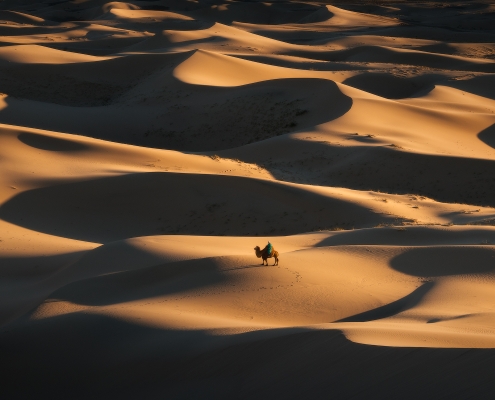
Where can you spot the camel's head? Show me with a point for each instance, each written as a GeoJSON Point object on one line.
{"type": "Point", "coordinates": [258, 251]}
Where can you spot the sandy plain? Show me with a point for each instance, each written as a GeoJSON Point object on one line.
{"type": "Point", "coordinates": [146, 147]}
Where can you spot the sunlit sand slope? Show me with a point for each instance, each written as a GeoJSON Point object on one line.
{"type": "Point", "coordinates": [147, 147]}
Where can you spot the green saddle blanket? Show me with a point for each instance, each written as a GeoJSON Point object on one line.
{"type": "Point", "coordinates": [269, 249]}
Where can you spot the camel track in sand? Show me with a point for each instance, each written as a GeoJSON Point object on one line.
{"type": "Point", "coordinates": [147, 146]}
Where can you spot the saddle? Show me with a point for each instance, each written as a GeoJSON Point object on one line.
{"type": "Point", "coordinates": [268, 249]}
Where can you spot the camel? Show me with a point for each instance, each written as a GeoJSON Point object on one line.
{"type": "Point", "coordinates": [264, 254]}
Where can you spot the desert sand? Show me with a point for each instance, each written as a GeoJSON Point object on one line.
{"type": "Point", "coordinates": [146, 147]}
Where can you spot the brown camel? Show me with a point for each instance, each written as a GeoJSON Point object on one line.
{"type": "Point", "coordinates": [264, 254]}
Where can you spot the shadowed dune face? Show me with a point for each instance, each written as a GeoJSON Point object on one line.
{"type": "Point", "coordinates": [160, 280]}
{"type": "Point", "coordinates": [224, 117]}
{"type": "Point", "coordinates": [433, 262]}
{"type": "Point", "coordinates": [488, 136]}
{"type": "Point", "coordinates": [381, 168]}
{"type": "Point", "coordinates": [147, 146]}
{"type": "Point", "coordinates": [481, 85]}
{"type": "Point", "coordinates": [378, 54]}
{"type": "Point", "coordinates": [412, 236]}
{"type": "Point", "coordinates": [266, 13]}
{"type": "Point", "coordinates": [392, 87]}
{"type": "Point", "coordinates": [88, 84]}
{"type": "Point", "coordinates": [115, 208]}
{"type": "Point", "coordinates": [420, 372]}
{"type": "Point", "coordinates": [28, 267]}
{"type": "Point", "coordinates": [50, 143]}
{"type": "Point", "coordinates": [391, 309]}
{"type": "Point", "coordinates": [236, 116]}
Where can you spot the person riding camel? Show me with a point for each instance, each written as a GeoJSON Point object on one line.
{"type": "Point", "coordinates": [268, 252]}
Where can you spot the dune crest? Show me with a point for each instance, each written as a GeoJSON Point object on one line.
{"type": "Point", "coordinates": [28, 54]}
{"type": "Point", "coordinates": [147, 148]}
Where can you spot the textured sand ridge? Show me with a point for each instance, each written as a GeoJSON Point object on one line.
{"type": "Point", "coordinates": [146, 148]}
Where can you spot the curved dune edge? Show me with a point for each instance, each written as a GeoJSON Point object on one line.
{"type": "Point", "coordinates": [34, 54]}
{"type": "Point", "coordinates": [68, 264]}
{"type": "Point", "coordinates": [147, 147]}
{"type": "Point", "coordinates": [212, 69]}
{"type": "Point", "coordinates": [386, 301]}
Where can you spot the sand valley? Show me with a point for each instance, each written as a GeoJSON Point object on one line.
{"type": "Point", "coordinates": [146, 147]}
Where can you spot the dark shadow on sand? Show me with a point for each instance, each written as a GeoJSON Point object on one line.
{"type": "Point", "coordinates": [170, 279]}
{"type": "Point", "coordinates": [487, 136]}
{"type": "Point", "coordinates": [275, 13]}
{"type": "Point", "coordinates": [228, 117]}
{"type": "Point", "coordinates": [393, 87]}
{"type": "Point", "coordinates": [81, 356]}
{"type": "Point", "coordinates": [390, 170]}
{"type": "Point", "coordinates": [430, 262]}
{"type": "Point", "coordinates": [50, 143]}
{"type": "Point", "coordinates": [409, 236]}
{"type": "Point", "coordinates": [445, 261]}
{"type": "Point", "coordinates": [33, 266]}
{"type": "Point", "coordinates": [393, 308]}
{"type": "Point", "coordinates": [114, 208]}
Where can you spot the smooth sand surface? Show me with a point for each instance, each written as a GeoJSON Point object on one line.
{"type": "Point", "coordinates": [147, 147]}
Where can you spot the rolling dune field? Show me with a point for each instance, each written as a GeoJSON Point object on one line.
{"type": "Point", "coordinates": [146, 148]}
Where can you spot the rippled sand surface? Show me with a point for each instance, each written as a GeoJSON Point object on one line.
{"type": "Point", "coordinates": [147, 147]}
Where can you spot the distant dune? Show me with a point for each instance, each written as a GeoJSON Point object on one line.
{"type": "Point", "coordinates": [146, 148]}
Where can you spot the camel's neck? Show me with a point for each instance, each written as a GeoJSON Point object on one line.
{"type": "Point", "coordinates": [258, 253]}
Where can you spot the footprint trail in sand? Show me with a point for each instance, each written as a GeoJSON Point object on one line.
{"type": "Point", "coordinates": [146, 147]}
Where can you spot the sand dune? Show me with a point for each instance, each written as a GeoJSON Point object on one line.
{"type": "Point", "coordinates": [205, 68]}
{"type": "Point", "coordinates": [39, 54]}
{"type": "Point", "coordinates": [146, 148]}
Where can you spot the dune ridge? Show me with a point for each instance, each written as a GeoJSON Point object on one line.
{"type": "Point", "coordinates": [146, 148]}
